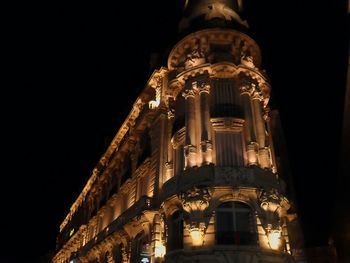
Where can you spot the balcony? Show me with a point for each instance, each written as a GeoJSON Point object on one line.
{"type": "Point", "coordinates": [210, 175]}
{"type": "Point", "coordinates": [143, 204]}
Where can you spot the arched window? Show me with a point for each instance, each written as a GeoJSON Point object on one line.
{"type": "Point", "coordinates": [175, 231]}
{"type": "Point", "coordinates": [118, 257]}
{"type": "Point", "coordinates": [140, 249]}
{"type": "Point", "coordinates": [234, 224]}
{"type": "Point", "coordinates": [106, 257]}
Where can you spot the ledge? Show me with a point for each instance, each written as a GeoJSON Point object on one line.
{"type": "Point", "coordinates": [211, 176]}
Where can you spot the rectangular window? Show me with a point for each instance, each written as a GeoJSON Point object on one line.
{"type": "Point", "coordinates": [225, 99]}
{"type": "Point", "coordinates": [179, 159]}
{"type": "Point", "coordinates": [229, 148]}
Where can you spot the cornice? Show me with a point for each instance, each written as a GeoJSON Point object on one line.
{"type": "Point", "coordinates": [137, 107]}
{"type": "Point", "coordinates": [204, 38]}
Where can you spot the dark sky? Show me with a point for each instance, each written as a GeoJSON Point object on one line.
{"type": "Point", "coordinates": [74, 70]}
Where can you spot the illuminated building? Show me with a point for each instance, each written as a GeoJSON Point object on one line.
{"type": "Point", "coordinates": [192, 175]}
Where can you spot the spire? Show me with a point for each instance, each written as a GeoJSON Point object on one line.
{"type": "Point", "coordinates": [209, 13]}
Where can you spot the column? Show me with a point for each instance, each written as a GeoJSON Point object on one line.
{"type": "Point", "coordinates": [169, 165]}
{"type": "Point", "coordinates": [206, 143]}
{"type": "Point", "coordinates": [250, 139]}
{"type": "Point", "coordinates": [264, 158]}
{"type": "Point", "coordinates": [190, 149]}
{"type": "Point", "coordinates": [285, 234]}
{"type": "Point", "coordinates": [158, 244]}
{"type": "Point", "coordinates": [271, 146]}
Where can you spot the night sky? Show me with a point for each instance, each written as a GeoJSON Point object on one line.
{"type": "Point", "coordinates": [75, 69]}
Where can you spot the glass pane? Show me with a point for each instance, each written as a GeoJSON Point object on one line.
{"type": "Point", "coordinates": [226, 205]}
{"type": "Point", "coordinates": [225, 237]}
{"type": "Point", "coordinates": [224, 227]}
{"type": "Point", "coordinates": [224, 221]}
{"type": "Point", "coordinates": [241, 205]}
{"type": "Point", "coordinates": [242, 221]}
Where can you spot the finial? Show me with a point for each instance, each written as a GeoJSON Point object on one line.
{"type": "Point", "coordinates": [207, 10]}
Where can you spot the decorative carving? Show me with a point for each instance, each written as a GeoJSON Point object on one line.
{"type": "Point", "coordinates": [188, 93]}
{"type": "Point", "coordinates": [171, 114]}
{"type": "Point", "coordinates": [189, 149]}
{"type": "Point", "coordinates": [125, 258]}
{"type": "Point", "coordinates": [137, 108]}
{"type": "Point", "coordinates": [220, 10]}
{"type": "Point", "coordinates": [240, 44]}
{"type": "Point", "coordinates": [235, 175]}
{"type": "Point", "coordinates": [272, 201]}
{"type": "Point", "coordinates": [204, 88]}
{"type": "Point", "coordinates": [206, 145]}
{"type": "Point", "coordinates": [248, 61]}
{"type": "Point", "coordinates": [274, 236]}
{"type": "Point", "coordinates": [197, 231]}
{"type": "Point", "coordinates": [253, 89]}
{"type": "Point", "coordinates": [195, 199]}
{"type": "Point", "coordinates": [153, 104]}
{"type": "Point", "coordinates": [227, 123]}
{"type": "Point", "coordinates": [196, 55]}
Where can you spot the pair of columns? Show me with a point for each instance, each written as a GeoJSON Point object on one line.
{"type": "Point", "coordinates": [197, 99]}
{"type": "Point", "coordinates": [258, 151]}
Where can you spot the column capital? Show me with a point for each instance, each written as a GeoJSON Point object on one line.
{"type": "Point", "coordinates": [206, 145]}
{"type": "Point", "coordinates": [246, 89]}
{"type": "Point", "coordinates": [204, 88]}
{"type": "Point", "coordinates": [188, 93]}
{"type": "Point", "coordinates": [171, 114]}
{"type": "Point", "coordinates": [190, 149]}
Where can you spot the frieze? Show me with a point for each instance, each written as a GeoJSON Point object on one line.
{"type": "Point", "coordinates": [190, 48]}
{"type": "Point", "coordinates": [234, 176]}
{"type": "Point", "coordinates": [195, 55]}
{"type": "Point", "coordinates": [227, 123]}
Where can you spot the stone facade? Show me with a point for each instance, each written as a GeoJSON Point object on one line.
{"type": "Point", "coordinates": [191, 175]}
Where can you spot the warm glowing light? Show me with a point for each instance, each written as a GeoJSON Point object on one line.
{"type": "Point", "coordinates": [197, 237]}
{"type": "Point", "coordinates": [274, 239]}
{"type": "Point", "coordinates": [159, 251]}
{"type": "Point", "coordinates": [71, 232]}
{"type": "Point", "coordinates": [186, 4]}
{"type": "Point", "coordinates": [153, 104]}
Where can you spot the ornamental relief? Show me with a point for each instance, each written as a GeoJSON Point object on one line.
{"type": "Point", "coordinates": [195, 199]}
{"type": "Point", "coordinates": [234, 176]}
{"type": "Point", "coordinates": [227, 123]}
{"type": "Point", "coordinates": [212, 46]}
{"type": "Point", "coordinates": [195, 55]}
{"type": "Point", "coordinates": [273, 201]}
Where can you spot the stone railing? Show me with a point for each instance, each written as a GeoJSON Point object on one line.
{"type": "Point", "coordinates": [210, 175]}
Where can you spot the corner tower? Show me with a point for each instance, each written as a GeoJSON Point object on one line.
{"type": "Point", "coordinates": [191, 176]}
